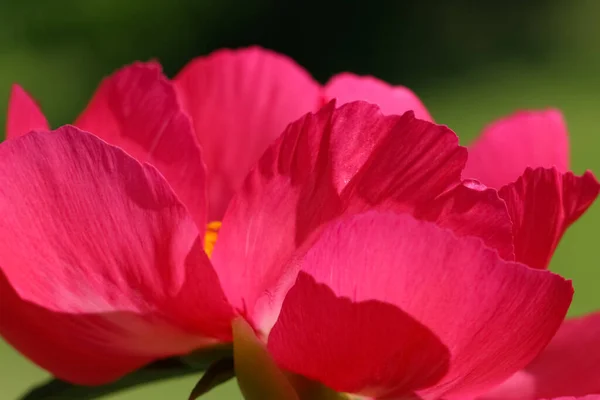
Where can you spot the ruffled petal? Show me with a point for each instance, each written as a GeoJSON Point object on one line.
{"type": "Point", "coordinates": [137, 110]}
{"type": "Point", "coordinates": [542, 204]}
{"type": "Point", "coordinates": [347, 87]}
{"type": "Point", "coordinates": [386, 305]}
{"type": "Point", "coordinates": [567, 367]}
{"type": "Point", "coordinates": [239, 102]}
{"type": "Point", "coordinates": [525, 139]}
{"type": "Point", "coordinates": [471, 209]}
{"type": "Point", "coordinates": [415, 166]}
{"type": "Point", "coordinates": [101, 268]}
{"type": "Point", "coordinates": [336, 161]}
{"type": "Point", "coordinates": [24, 115]}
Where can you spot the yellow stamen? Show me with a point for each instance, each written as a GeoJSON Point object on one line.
{"type": "Point", "coordinates": [210, 238]}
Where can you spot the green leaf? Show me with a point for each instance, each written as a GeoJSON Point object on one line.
{"type": "Point", "coordinates": [55, 389]}
{"type": "Point", "coordinates": [205, 358]}
{"type": "Point", "coordinates": [219, 372]}
{"type": "Point", "coordinates": [258, 376]}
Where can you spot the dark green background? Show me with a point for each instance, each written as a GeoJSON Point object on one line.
{"type": "Point", "coordinates": [470, 62]}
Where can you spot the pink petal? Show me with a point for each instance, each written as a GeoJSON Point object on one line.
{"type": "Point", "coordinates": [347, 87]}
{"type": "Point", "coordinates": [376, 293]}
{"type": "Point", "coordinates": [542, 204]}
{"type": "Point", "coordinates": [412, 162]}
{"type": "Point", "coordinates": [24, 115]}
{"type": "Point", "coordinates": [137, 110]}
{"type": "Point", "coordinates": [525, 139]}
{"type": "Point", "coordinates": [416, 168]}
{"type": "Point", "coordinates": [240, 101]}
{"type": "Point", "coordinates": [567, 367]}
{"type": "Point", "coordinates": [303, 180]}
{"type": "Point", "coordinates": [471, 209]}
{"type": "Point", "coordinates": [282, 201]}
{"type": "Point", "coordinates": [101, 268]}
{"type": "Point", "coordinates": [588, 397]}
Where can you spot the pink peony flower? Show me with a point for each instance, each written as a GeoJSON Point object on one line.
{"type": "Point", "coordinates": [351, 242]}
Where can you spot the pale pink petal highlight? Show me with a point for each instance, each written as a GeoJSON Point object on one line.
{"type": "Point", "coordinates": [347, 87]}
{"type": "Point", "coordinates": [510, 145]}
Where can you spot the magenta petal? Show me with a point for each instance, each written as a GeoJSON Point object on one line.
{"type": "Point", "coordinates": [525, 139]}
{"type": "Point", "coordinates": [239, 102]}
{"type": "Point", "coordinates": [345, 160]}
{"type": "Point", "coordinates": [411, 163]}
{"type": "Point", "coordinates": [24, 115]}
{"type": "Point", "coordinates": [283, 200]}
{"type": "Point", "coordinates": [542, 204]}
{"type": "Point", "coordinates": [101, 268]}
{"type": "Point", "coordinates": [370, 347]}
{"type": "Point", "coordinates": [471, 209]}
{"type": "Point", "coordinates": [337, 160]}
{"type": "Point", "coordinates": [587, 397]}
{"type": "Point", "coordinates": [377, 293]}
{"type": "Point", "coordinates": [137, 110]}
{"type": "Point", "coordinates": [569, 366]}
{"type": "Point", "coordinates": [84, 348]}
{"type": "Point", "coordinates": [415, 166]}
{"type": "Point", "coordinates": [347, 87]}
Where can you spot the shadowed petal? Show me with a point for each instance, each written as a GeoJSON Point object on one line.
{"type": "Point", "coordinates": [137, 110]}
{"type": "Point", "coordinates": [24, 115]}
{"type": "Point", "coordinates": [378, 293]}
{"type": "Point", "coordinates": [239, 102]}
{"type": "Point", "coordinates": [525, 139]}
{"type": "Point", "coordinates": [542, 204]}
{"type": "Point", "coordinates": [336, 161]}
{"type": "Point", "coordinates": [416, 168]}
{"type": "Point", "coordinates": [102, 269]}
{"type": "Point", "coordinates": [471, 209]}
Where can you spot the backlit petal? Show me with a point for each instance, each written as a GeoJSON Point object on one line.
{"type": "Point", "coordinates": [347, 87]}
{"type": "Point", "coordinates": [567, 367]}
{"type": "Point", "coordinates": [102, 269]}
{"type": "Point", "coordinates": [525, 139]}
{"type": "Point", "coordinates": [385, 305]}
{"type": "Point", "coordinates": [239, 102]}
{"type": "Point", "coordinates": [471, 209]}
{"type": "Point", "coordinates": [542, 204]}
{"type": "Point", "coordinates": [336, 161]}
{"type": "Point", "coordinates": [415, 166]}
{"type": "Point", "coordinates": [137, 110]}
{"type": "Point", "coordinates": [24, 115]}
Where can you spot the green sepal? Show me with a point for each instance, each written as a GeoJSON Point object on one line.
{"type": "Point", "coordinates": [257, 374]}
{"type": "Point", "coordinates": [311, 390]}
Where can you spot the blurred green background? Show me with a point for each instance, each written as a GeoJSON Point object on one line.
{"type": "Point", "coordinates": [470, 62]}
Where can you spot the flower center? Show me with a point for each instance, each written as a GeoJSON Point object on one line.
{"type": "Point", "coordinates": [210, 238]}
